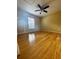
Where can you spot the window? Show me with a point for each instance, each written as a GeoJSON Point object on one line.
{"type": "Point", "coordinates": [31, 23]}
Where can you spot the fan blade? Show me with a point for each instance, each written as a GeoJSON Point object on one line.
{"type": "Point", "coordinates": [45, 11]}
{"type": "Point", "coordinates": [39, 6]}
{"type": "Point", "coordinates": [46, 7]}
{"type": "Point", "coordinates": [37, 10]}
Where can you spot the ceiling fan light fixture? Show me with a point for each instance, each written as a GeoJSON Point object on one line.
{"type": "Point", "coordinates": [42, 8]}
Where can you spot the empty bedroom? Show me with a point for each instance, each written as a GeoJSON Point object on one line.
{"type": "Point", "coordinates": [38, 29]}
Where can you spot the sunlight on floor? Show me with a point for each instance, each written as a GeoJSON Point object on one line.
{"type": "Point", "coordinates": [31, 38]}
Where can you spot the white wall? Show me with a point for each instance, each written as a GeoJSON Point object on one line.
{"type": "Point", "coordinates": [51, 23]}
{"type": "Point", "coordinates": [22, 26]}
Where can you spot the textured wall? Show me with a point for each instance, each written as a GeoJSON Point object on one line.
{"type": "Point", "coordinates": [51, 22]}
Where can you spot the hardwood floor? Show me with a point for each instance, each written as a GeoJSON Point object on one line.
{"type": "Point", "coordinates": [39, 45]}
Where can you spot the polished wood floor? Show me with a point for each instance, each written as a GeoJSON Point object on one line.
{"type": "Point", "coordinates": [39, 45]}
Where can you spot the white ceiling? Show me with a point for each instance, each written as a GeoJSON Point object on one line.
{"type": "Point", "coordinates": [31, 5]}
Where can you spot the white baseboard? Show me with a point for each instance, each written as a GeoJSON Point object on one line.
{"type": "Point", "coordinates": [22, 33]}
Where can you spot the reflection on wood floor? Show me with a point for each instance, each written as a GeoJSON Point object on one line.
{"type": "Point", "coordinates": [39, 45]}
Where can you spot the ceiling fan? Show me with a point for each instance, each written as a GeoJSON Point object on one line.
{"type": "Point", "coordinates": [42, 8]}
